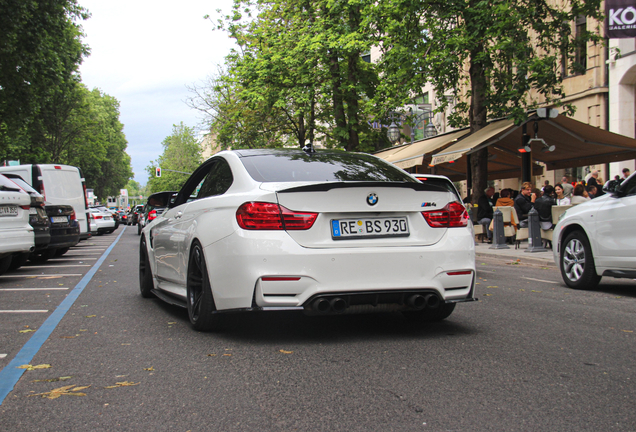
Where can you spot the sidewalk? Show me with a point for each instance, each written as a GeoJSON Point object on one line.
{"type": "Point", "coordinates": [537, 258]}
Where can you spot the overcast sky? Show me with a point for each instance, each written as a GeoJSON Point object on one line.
{"type": "Point", "coordinates": [145, 53]}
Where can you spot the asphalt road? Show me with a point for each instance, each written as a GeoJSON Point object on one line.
{"type": "Point", "coordinates": [531, 355]}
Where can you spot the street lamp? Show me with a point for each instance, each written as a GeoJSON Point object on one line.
{"type": "Point", "coordinates": [393, 134]}
{"type": "Point", "coordinates": [429, 130]}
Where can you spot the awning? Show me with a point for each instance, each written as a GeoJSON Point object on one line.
{"type": "Point", "coordinates": [466, 145]}
{"type": "Point", "coordinates": [575, 144]}
{"type": "Point", "coordinates": [413, 154]}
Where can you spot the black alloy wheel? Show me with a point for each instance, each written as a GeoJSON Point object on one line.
{"type": "Point", "coordinates": [577, 263]}
{"type": "Point", "coordinates": [145, 273]}
{"type": "Point", "coordinates": [200, 301]}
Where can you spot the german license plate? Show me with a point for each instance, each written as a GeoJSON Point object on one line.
{"type": "Point", "coordinates": [59, 219]}
{"type": "Point", "coordinates": [342, 229]}
{"type": "Point", "coordinates": [8, 210]}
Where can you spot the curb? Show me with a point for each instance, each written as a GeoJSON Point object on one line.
{"type": "Point", "coordinates": [544, 262]}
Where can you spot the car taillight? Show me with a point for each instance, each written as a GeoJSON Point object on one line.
{"type": "Point", "coordinates": [270, 216]}
{"type": "Point", "coordinates": [453, 215]}
{"type": "Point", "coordinates": [152, 215]}
{"type": "Point", "coordinates": [73, 216]}
{"type": "Point", "coordinates": [97, 217]}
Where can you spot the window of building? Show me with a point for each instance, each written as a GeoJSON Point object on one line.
{"type": "Point", "coordinates": [580, 55]}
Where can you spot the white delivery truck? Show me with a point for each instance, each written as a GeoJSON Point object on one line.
{"type": "Point", "coordinates": [60, 185]}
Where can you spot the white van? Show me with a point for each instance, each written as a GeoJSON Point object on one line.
{"type": "Point", "coordinates": [60, 185]}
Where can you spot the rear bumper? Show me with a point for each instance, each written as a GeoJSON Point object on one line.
{"type": "Point", "coordinates": [245, 274]}
{"type": "Point", "coordinates": [64, 237]}
{"type": "Point", "coordinates": [17, 240]}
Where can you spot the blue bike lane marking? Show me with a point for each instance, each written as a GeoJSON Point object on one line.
{"type": "Point", "coordinates": [10, 375]}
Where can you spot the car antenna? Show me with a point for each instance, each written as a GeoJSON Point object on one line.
{"type": "Point", "coordinates": [309, 148]}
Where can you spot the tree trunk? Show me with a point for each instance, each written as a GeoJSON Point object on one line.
{"type": "Point", "coordinates": [478, 120]}
{"type": "Point", "coordinates": [338, 103]}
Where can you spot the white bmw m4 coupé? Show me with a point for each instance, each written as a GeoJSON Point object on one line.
{"type": "Point", "coordinates": [324, 232]}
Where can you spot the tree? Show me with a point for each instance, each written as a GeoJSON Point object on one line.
{"type": "Point", "coordinates": [300, 65]}
{"type": "Point", "coordinates": [41, 51]}
{"type": "Point", "coordinates": [499, 58]}
{"type": "Point", "coordinates": [181, 152]}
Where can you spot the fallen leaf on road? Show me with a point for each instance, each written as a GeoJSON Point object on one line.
{"type": "Point", "coordinates": [29, 367]}
{"type": "Point", "coordinates": [172, 322]}
{"type": "Point", "coordinates": [487, 295]}
{"type": "Point", "coordinates": [63, 391]}
{"type": "Point", "coordinates": [26, 331]}
{"type": "Point", "coordinates": [122, 384]}
{"type": "Point", "coordinates": [211, 355]}
{"type": "Point", "coordinates": [494, 286]}
{"type": "Point", "coordinates": [628, 331]}
{"type": "Point", "coordinates": [67, 337]}
{"type": "Point", "coordinates": [286, 352]}
{"type": "Point", "coordinates": [91, 316]}
{"type": "Point", "coordinates": [149, 369]}
{"type": "Point", "coordinates": [228, 355]}
{"type": "Point", "coordinates": [53, 379]}
{"type": "Point", "coordinates": [536, 291]}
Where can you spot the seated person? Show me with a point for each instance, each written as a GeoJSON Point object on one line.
{"type": "Point", "coordinates": [484, 210]}
{"type": "Point", "coordinates": [543, 206]}
{"type": "Point", "coordinates": [524, 203]}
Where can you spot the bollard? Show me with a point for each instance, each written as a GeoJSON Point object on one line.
{"type": "Point", "coordinates": [535, 243]}
{"type": "Point", "coordinates": [498, 236]}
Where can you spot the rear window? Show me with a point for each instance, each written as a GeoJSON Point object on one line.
{"type": "Point", "coordinates": [297, 166]}
{"type": "Point", "coordinates": [62, 184]}
{"type": "Point", "coordinates": [442, 183]}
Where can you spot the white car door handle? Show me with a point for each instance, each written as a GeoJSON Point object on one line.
{"type": "Point", "coordinates": [178, 215]}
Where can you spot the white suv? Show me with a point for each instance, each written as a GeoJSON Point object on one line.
{"type": "Point", "coordinates": [598, 238]}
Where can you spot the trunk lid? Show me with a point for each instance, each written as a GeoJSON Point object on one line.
{"type": "Point", "coordinates": [377, 212]}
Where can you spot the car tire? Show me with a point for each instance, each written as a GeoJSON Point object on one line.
{"type": "Point", "coordinates": [18, 260]}
{"type": "Point", "coordinates": [138, 229]}
{"type": "Point", "coordinates": [200, 300]}
{"type": "Point", "coordinates": [577, 263]}
{"type": "Point", "coordinates": [61, 251]}
{"type": "Point", "coordinates": [145, 273]}
{"type": "Point", "coordinates": [42, 257]}
{"type": "Point", "coordinates": [4, 264]}
{"type": "Point", "coordinates": [440, 313]}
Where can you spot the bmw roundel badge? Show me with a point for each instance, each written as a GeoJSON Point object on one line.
{"type": "Point", "coordinates": [372, 199]}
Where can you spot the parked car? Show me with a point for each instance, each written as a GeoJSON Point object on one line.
{"type": "Point", "coordinates": [154, 207]}
{"type": "Point", "coordinates": [111, 212]}
{"type": "Point", "coordinates": [37, 219]}
{"type": "Point", "coordinates": [65, 231]}
{"type": "Point", "coordinates": [15, 231]}
{"type": "Point", "coordinates": [104, 220]}
{"type": "Point", "coordinates": [60, 185]}
{"type": "Point", "coordinates": [324, 232]}
{"type": "Point", "coordinates": [597, 238]}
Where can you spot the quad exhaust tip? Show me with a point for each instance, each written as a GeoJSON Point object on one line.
{"type": "Point", "coordinates": [337, 305]}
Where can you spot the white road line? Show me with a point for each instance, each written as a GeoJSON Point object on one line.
{"type": "Point", "coordinates": [39, 276]}
{"type": "Point", "coordinates": [54, 265]}
{"type": "Point", "coordinates": [539, 280]}
{"type": "Point", "coordinates": [73, 259]}
{"type": "Point", "coordinates": [31, 289]}
{"type": "Point", "coordinates": [24, 311]}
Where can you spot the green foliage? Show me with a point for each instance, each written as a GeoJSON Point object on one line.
{"type": "Point", "coordinates": [181, 152]}
{"type": "Point", "coordinates": [297, 76]}
{"type": "Point", "coordinates": [506, 47]}
{"type": "Point", "coordinates": [40, 52]}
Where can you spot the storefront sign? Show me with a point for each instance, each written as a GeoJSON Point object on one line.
{"type": "Point", "coordinates": [620, 21]}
